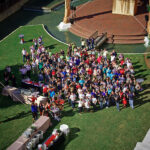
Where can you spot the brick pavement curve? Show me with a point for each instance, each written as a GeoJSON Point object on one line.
{"type": "Point", "coordinates": [97, 15]}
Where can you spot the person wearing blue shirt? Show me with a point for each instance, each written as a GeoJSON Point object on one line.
{"type": "Point", "coordinates": [93, 93]}
{"type": "Point", "coordinates": [52, 93]}
{"type": "Point", "coordinates": [81, 81]}
{"type": "Point", "coordinates": [77, 62]}
{"type": "Point", "coordinates": [109, 90]}
{"type": "Point", "coordinates": [64, 73]}
{"type": "Point", "coordinates": [34, 110]}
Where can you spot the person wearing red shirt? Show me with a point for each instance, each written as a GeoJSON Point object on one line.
{"type": "Point", "coordinates": [32, 98]}
{"type": "Point", "coordinates": [121, 62]}
{"type": "Point", "coordinates": [99, 59]}
{"type": "Point", "coordinates": [87, 61]}
{"type": "Point", "coordinates": [78, 86]}
{"type": "Point", "coordinates": [124, 101]}
{"type": "Point", "coordinates": [90, 71]}
{"type": "Point", "coordinates": [53, 72]}
{"type": "Point", "coordinates": [74, 69]}
{"type": "Point", "coordinates": [121, 71]}
{"type": "Point", "coordinates": [45, 91]}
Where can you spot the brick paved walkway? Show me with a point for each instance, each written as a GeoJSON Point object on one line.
{"type": "Point", "coordinates": [97, 15]}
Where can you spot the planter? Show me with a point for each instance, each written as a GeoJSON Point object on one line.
{"type": "Point", "coordinates": [29, 146]}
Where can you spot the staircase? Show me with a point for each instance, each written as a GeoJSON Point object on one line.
{"type": "Point", "coordinates": [79, 31]}
{"type": "Point", "coordinates": [126, 39]}
{"type": "Point", "coordinates": [145, 144]}
{"type": "Point", "coordinates": [117, 39]}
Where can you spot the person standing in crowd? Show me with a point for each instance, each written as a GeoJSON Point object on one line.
{"type": "Point", "coordinates": [124, 100]}
{"type": "Point", "coordinates": [87, 104]}
{"type": "Point", "coordinates": [83, 76]}
{"type": "Point", "coordinates": [35, 43]}
{"type": "Point", "coordinates": [28, 67]}
{"type": "Point", "coordinates": [41, 109]}
{"type": "Point", "coordinates": [80, 105]}
{"type": "Point", "coordinates": [73, 98]}
{"type": "Point", "coordinates": [24, 52]}
{"type": "Point", "coordinates": [34, 110]}
{"type": "Point", "coordinates": [92, 42]}
{"type": "Point", "coordinates": [94, 102]}
{"type": "Point", "coordinates": [117, 100]}
{"type": "Point", "coordinates": [101, 99]}
{"type": "Point", "coordinates": [130, 97]}
{"type": "Point", "coordinates": [107, 100]}
{"type": "Point", "coordinates": [82, 43]}
{"type": "Point", "coordinates": [23, 71]}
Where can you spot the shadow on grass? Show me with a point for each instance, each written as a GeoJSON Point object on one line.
{"type": "Point", "coordinates": [73, 134]}
{"type": "Point", "coordinates": [139, 71]}
{"type": "Point", "coordinates": [68, 113]}
{"type": "Point", "coordinates": [51, 46]}
{"type": "Point", "coordinates": [7, 102]}
{"type": "Point", "coordinates": [134, 63]}
{"type": "Point", "coordinates": [137, 66]}
{"type": "Point", "coordinates": [141, 101]}
{"type": "Point", "coordinates": [28, 41]}
{"type": "Point", "coordinates": [18, 116]}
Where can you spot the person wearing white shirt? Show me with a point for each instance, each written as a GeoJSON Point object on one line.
{"type": "Point", "coordinates": [112, 57]}
{"type": "Point", "coordinates": [79, 90]}
{"type": "Point", "coordinates": [34, 66]}
{"type": "Point", "coordinates": [87, 104]}
{"type": "Point", "coordinates": [24, 54]}
{"type": "Point", "coordinates": [80, 105]}
{"type": "Point", "coordinates": [73, 98]}
{"type": "Point", "coordinates": [81, 96]}
{"type": "Point", "coordinates": [94, 101]}
{"type": "Point", "coordinates": [88, 95]}
{"type": "Point", "coordinates": [105, 52]}
{"type": "Point", "coordinates": [37, 61]}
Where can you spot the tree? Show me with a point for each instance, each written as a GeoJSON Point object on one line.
{"type": "Point", "coordinates": [67, 11]}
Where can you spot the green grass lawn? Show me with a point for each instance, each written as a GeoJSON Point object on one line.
{"type": "Point", "coordinates": [16, 117]}
{"type": "Point", "coordinates": [103, 130]}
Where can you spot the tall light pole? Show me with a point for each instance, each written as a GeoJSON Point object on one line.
{"type": "Point", "coordinates": [67, 11]}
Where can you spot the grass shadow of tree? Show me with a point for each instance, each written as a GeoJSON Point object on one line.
{"type": "Point", "coordinates": [73, 134]}
{"type": "Point", "coordinates": [18, 116]}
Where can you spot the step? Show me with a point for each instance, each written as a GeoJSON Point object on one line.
{"type": "Point", "coordinates": [81, 29]}
{"type": "Point", "coordinates": [126, 41]}
{"type": "Point", "coordinates": [78, 33]}
{"type": "Point", "coordinates": [138, 37]}
{"type": "Point", "coordinates": [127, 34]}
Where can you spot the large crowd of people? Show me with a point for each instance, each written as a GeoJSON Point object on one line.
{"type": "Point", "coordinates": [84, 77]}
